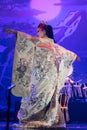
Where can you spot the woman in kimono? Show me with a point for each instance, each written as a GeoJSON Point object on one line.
{"type": "Point", "coordinates": [39, 72]}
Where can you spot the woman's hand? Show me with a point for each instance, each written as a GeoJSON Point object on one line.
{"type": "Point", "coordinates": [78, 58]}
{"type": "Point", "coordinates": [9, 31]}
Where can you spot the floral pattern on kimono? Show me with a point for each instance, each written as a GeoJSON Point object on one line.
{"type": "Point", "coordinates": [40, 65]}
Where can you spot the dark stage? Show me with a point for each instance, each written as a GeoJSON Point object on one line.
{"type": "Point", "coordinates": [71, 126]}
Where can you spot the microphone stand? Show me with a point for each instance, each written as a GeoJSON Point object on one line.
{"type": "Point", "coordinates": [9, 105]}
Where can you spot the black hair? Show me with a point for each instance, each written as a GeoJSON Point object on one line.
{"type": "Point", "coordinates": [48, 29]}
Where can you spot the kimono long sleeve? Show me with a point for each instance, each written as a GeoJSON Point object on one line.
{"type": "Point", "coordinates": [65, 59]}
{"type": "Point", "coordinates": [22, 67]}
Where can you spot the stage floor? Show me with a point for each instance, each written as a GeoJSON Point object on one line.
{"type": "Point", "coordinates": [71, 126]}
